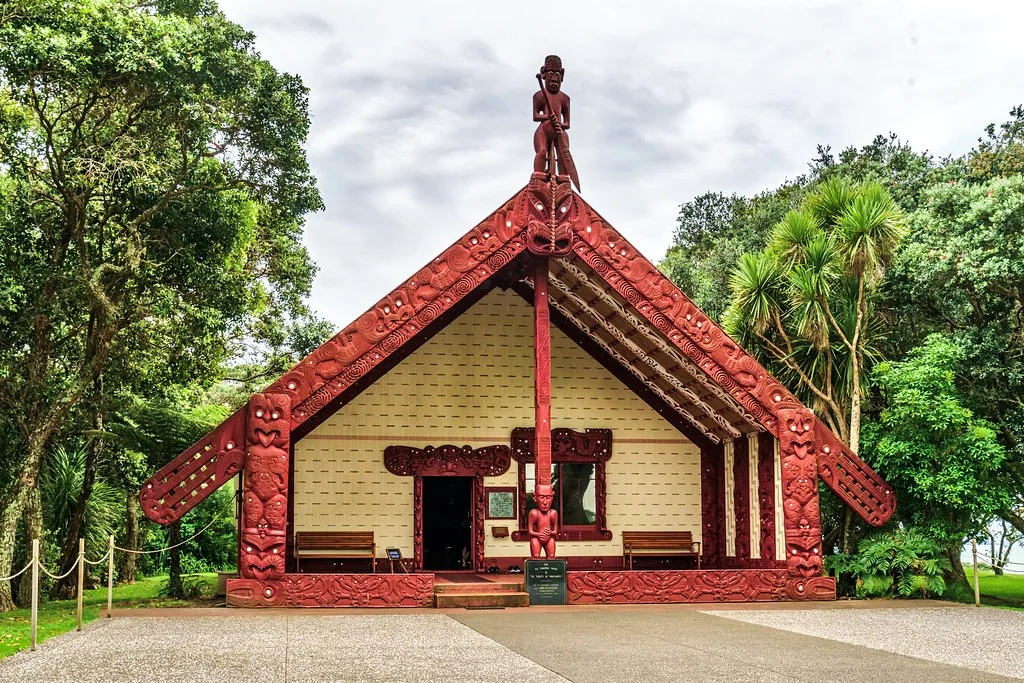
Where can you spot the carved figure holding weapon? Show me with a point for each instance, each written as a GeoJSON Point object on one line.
{"type": "Point", "coordinates": [551, 110]}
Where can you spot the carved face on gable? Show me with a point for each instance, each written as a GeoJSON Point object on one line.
{"type": "Point", "coordinates": [548, 216]}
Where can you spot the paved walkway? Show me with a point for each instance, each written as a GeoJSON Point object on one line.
{"type": "Point", "coordinates": [582, 644]}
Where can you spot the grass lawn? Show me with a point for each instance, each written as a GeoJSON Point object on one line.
{"type": "Point", "coordinates": [58, 616]}
{"type": "Point", "coordinates": [1002, 591]}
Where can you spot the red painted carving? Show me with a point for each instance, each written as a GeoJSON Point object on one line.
{"type": "Point", "coordinates": [551, 110]}
{"type": "Point", "coordinates": [479, 513]}
{"type": "Point", "coordinates": [403, 314]}
{"type": "Point", "coordinates": [542, 375]}
{"type": "Point", "coordinates": [726, 585]}
{"type": "Point", "coordinates": [567, 445]}
{"type": "Point", "coordinates": [800, 493]}
{"type": "Point", "coordinates": [592, 446]}
{"type": "Point", "coordinates": [854, 482]}
{"type": "Point", "coordinates": [547, 211]}
{"type": "Point", "coordinates": [333, 590]}
{"type": "Point", "coordinates": [542, 523]}
{"type": "Point", "coordinates": [766, 493]}
{"type": "Point", "coordinates": [188, 479]}
{"type": "Point", "coordinates": [265, 492]}
{"type": "Point", "coordinates": [814, 588]}
{"type": "Point", "coordinates": [417, 523]}
{"type": "Point", "coordinates": [447, 461]}
{"type": "Point", "coordinates": [741, 496]}
{"type": "Point", "coordinates": [711, 514]}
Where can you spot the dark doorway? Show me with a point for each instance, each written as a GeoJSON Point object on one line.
{"type": "Point", "coordinates": [447, 523]}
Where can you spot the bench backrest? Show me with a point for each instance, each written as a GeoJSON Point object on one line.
{"type": "Point", "coordinates": [657, 539]}
{"type": "Point", "coordinates": [333, 540]}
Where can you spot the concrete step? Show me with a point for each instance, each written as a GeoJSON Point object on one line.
{"type": "Point", "coordinates": [477, 587]}
{"type": "Point", "coordinates": [482, 599]}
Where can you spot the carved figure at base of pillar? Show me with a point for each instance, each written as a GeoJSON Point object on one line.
{"type": "Point", "coordinates": [542, 525]}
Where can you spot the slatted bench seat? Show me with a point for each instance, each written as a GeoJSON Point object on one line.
{"type": "Point", "coordinates": [334, 545]}
{"type": "Point", "coordinates": [659, 543]}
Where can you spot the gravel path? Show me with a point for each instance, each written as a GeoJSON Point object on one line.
{"type": "Point", "coordinates": [983, 639]}
{"type": "Point", "coordinates": [301, 649]}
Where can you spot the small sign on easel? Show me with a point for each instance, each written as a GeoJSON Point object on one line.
{"type": "Point", "coordinates": [395, 555]}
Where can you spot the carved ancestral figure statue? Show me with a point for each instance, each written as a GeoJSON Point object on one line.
{"type": "Point", "coordinates": [543, 523]}
{"type": "Point", "coordinates": [551, 110]}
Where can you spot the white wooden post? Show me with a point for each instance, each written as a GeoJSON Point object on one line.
{"type": "Point", "coordinates": [35, 590]}
{"type": "Point", "coordinates": [110, 576]}
{"type": "Point", "coordinates": [977, 589]}
{"type": "Point", "coordinates": [81, 578]}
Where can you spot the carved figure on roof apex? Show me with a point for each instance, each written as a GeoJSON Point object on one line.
{"type": "Point", "coordinates": [551, 110]}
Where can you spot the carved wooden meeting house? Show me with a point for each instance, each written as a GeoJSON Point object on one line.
{"type": "Point", "coordinates": [537, 389]}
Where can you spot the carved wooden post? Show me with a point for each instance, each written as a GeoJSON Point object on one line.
{"type": "Point", "coordinates": [800, 493]}
{"type": "Point", "coordinates": [542, 372]}
{"type": "Point", "coordinates": [542, 526]}
{"type": "Point", "coordinates": [265, 494]}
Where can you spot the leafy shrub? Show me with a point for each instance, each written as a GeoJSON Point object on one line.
{"type": "Point", "coordinates": [903, 562]}
{"type": "Point", "coordinates": [193, 587]}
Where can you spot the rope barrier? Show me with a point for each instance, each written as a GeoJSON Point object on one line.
{"type": "Point", "coordinates": [99, 561]}
{"type": "Point", "coordinates": [176, 545]}
{"type": "Point", "coordinates": [67, 573]}
{"type": "Point", "coordinates": [991, 560]}
{"type": "Point", "coordinates": [14, 576]}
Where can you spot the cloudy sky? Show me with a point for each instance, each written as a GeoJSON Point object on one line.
{"type": "Point", "coordinates": [421, 122]}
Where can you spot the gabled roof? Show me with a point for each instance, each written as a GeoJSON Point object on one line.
{"type": "Point", "coordinates": [621, 306]}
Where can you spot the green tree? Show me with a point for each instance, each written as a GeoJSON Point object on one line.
{"type": "Point", "coordinates": [153, 187]}
{"type": "Point", "coordinates": [963, 275]}
{"type": "Point", "coordinates": [807, 305]}
{"type": "Point", "coordinates": [945, 463]}
{"type": "Point", "coordinates": [712, 232]}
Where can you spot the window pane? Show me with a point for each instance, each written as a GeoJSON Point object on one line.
{"type": "Point", "coordinates": [575, 494]}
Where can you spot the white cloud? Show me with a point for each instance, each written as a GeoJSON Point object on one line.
{"type": "Point", "coordinates": [421, 121]}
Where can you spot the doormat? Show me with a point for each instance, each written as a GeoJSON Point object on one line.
{"type": "Point", "coordinates": [455, 577]}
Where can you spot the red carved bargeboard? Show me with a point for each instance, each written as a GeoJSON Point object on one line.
{"type": "Point", "coordinates": [726, 585]}
{"type": "Point", "coordinates": [333, 590]}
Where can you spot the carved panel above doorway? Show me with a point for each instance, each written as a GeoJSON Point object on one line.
{"type": "Point", "coordinates": [447, 461]}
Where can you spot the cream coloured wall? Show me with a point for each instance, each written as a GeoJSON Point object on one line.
{"type": "Point", "coordinates": [471, 384]}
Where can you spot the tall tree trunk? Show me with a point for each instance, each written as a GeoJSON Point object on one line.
{"type": "Point", "coordinates": [69, 552]}
{"type": "Point", "coordinates": [11, 515]}
{"type": "Point", "coordinates": [174, 586]}
{"type": "Point", "coordinates": [33, 516]}
{"type": "Point", "coordinates": [9, 519]}
{"type": "Point", "coordinates": [128, 566]}
{"type": "Point", "coordinates": [956, 573]}
{"type": "Point", "coordinates": [845, 541]}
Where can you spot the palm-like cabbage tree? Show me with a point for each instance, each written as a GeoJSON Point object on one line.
{"type": "Point", "coordinates": [806, 304]}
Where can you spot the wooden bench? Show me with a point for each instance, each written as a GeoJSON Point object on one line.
{"type": "Point", "coordinates": [659, 543]}
{"type": "Point", "coordinates": [334, 545]}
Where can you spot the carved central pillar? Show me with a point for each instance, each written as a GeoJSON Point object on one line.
{"type": "Point", "coordinates": [542, 371]}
